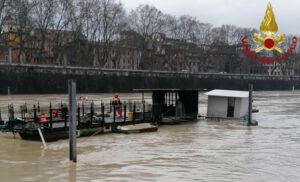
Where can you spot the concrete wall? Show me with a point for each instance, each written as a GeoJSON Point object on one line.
{"type": "Point", "coordinates": [24, 79]}
{"type": "Point", "coordinates": [237, 107]}
{"type": "Point", "coordinates": [241, 107]}
{"type": "Point", "coordinates": [217, 106]}
{"type": "Point", "coordinates": [244, 107]}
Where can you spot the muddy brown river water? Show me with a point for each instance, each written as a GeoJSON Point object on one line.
{"type": "Point", "coordinates": [195, 151]}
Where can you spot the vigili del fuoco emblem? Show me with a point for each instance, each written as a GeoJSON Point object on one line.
{"type": "Point", "coordinates": [269, 28]}
{"type": "Point", "coordinates": [269, 40]}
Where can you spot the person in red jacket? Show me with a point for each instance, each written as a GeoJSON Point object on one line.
{"type": "Point", "coordinates": [117, 104]}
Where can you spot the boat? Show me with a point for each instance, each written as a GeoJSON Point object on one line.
{"type": "Point", "coordinates": [52, 130]}
{"type": "Point", "coordinates": [55, 125]}
{"type": "Point", "coordinates": [137, 128]}
{"type": "Point", "coordinates": [254, 110]}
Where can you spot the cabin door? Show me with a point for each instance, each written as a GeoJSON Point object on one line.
{"type": "Point", "coordinates": [230, 108]}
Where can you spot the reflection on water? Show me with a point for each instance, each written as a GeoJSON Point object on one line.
{"type": "Point", "coordinates": [195, 151]}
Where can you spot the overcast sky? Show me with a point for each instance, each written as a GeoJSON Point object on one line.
{"type": "Point", "coordinates": [243, 13]}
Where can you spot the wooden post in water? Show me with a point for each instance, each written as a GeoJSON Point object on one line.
{"type": "Point", "coordinates": [250, 105]}
{"type": "Point", "coordinates": [72, 119]}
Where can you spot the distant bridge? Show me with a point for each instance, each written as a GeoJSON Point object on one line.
{"type": "Point", "coordinates": [23, 78]}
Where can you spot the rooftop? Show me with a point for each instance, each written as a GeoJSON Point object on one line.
{"type": "Point", "coordinates": [228, 93]}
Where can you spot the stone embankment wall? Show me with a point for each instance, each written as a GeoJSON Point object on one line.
{"type": "Point", "coordinates": [30, 79]}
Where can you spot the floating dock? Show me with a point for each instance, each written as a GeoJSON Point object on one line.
{"type": "Point", "coordinates": [55, 124]}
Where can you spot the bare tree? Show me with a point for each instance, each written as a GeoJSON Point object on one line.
{"type": "Point", "coordinates": [4, 9]}
{"type": "Point", "coordinates": [146, 19]}
{"type": "Point", "coordinates": [44, 13]}
{"type": "Point", "coordinates": [21, 13]}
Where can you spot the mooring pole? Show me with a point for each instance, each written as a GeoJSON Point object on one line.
{"type": "Point", "coordinates": [102, 110]}
{"type": "Point", "coordinates": [124, 113]}
{"type": "Point", "coordinates": [38, 107]}
{"type": "Point", "coordinates": [110, 106]}
{"type": "Point", "coordinates": [51, 119]}
{"type": "Point", "coordinates": [114, 113]}
{"type": "Point", "coordinates": [78, 113]}
{"type": "Point", "coordinates": [144, 111]}
{"type": "Point", "coordinates": [72, 119]}
{"type": "Point", "coordinates": [0, 116]}
{"type": "Point", "coordinates": [143, 105]}
{"type": "Point", "coordinates": [34, 114]}
{"type": "Point", "coordinates": [250, 105]}
{"type": "Point", "coordinates": [133, 113]}
{"type": "Point", "coordinates": [92, 113]}
{"type": "Point", "coordinates": [12, 112]}
{"type": "Point", "coordinates": [82, 105]}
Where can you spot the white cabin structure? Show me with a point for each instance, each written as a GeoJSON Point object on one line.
{"type": "Point", "coordinates": [227, 103]}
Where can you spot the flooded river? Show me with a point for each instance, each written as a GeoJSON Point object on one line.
{"type": "Point", "coordinates": [196, 151]}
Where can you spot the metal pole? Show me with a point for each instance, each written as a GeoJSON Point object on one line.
{"type": "Point", "coordinates": [78, 113]}
{"type": "Point", "coordinates": [144, 111]}
{"type": "Point", "coordinates": [8, 112]}
{"type": "Point", "coordinates": [114, 113]}
{"type": "Point", "coordinates": [102, 110]}
{"type": "Point", "coordinates": [124, 113]}
{"type": "Point", "coordinates": [72, 119]}
{"type": "Point", "coordinates": [169, 98]}
{"type": "Point", "coordinates": [65, 109]}
{"type": "Point", "coordinates": [110, 106]}
{"type": "Point", "coordinates": [133, 114]}
{"type": "Point", "coordinates": [38, 107]}
{"type": "Point", "coordinates": [34, 113]}
{"type": "Point", "coordinates": [51, 120]}
{"type": "Point", "coordinates": [82, 109]}
{"type": "Point", "coordinates": [250, 105]}
{"type": "Point", "coordinates": [92, 114]}
{"type": "Point", "coordinates": [175, 98]}
{"type": "Point", "coordinates": [12, 112]}
{"type": "Point", "coordinates": [42, 137]}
